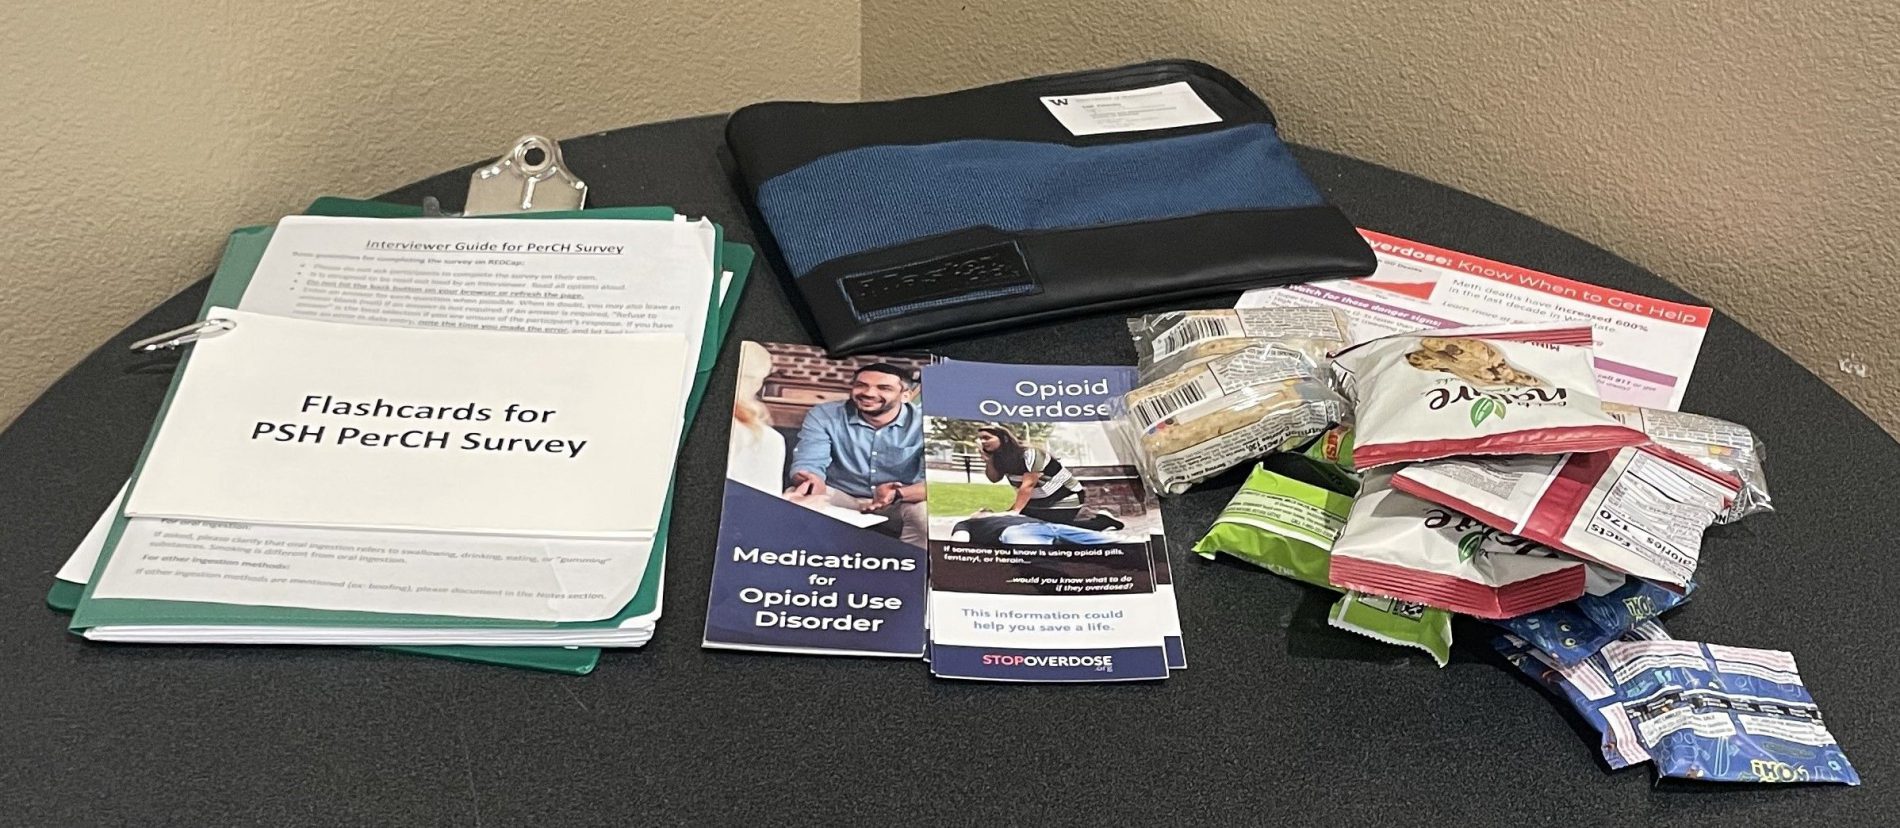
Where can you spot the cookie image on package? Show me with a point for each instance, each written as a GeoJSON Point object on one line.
{"type": "Point", "coordinates": [1472, 360]}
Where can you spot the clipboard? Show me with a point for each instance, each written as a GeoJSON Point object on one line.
{"type": "Point", "coordinates": [542, 187]}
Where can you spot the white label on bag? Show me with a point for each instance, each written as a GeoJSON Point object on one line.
{"type": "Point", "coordinates": [1656, 513]}
{"type": "Point", "coordinates": [1133, 110]}
{"type": "Point", "coordinates": [1283, 515]}
{"type": "Point", "coordinates": [1196, 327]}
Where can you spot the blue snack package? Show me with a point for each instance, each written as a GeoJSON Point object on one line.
{"type": "Point", "coordinates": [1589, 688]}
{"type": "Point", "coordinates": [1724, 714]}
{"type": "Point", "coordinates": [1574, 631]}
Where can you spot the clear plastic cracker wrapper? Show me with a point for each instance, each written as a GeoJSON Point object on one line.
{"type": "Point", "coordinates": [1640, 511]}
{"type": "Point", "coordinates": [1509, 389]}
{"type": "Point", "coordinates": [1287, 527]}
{"type": "Point", "coordinates": [1402, 547]}
{"type": "Point", "coordinates": [1168, 342]}
{"type": "Point", "coordinates": [1721, 445]}
{"type": "Point", "coordinates": [1194, 423]}
{"type": "Point", "coordinates": [1590, 689]}
{"type": "Point", "coordinates": [1724, 714]}
{"type": "Point", "coordinates": [1611, 606]}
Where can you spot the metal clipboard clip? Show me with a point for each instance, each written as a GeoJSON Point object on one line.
{"type": "Point", "coordinates": [530, 178]}
{"type": "Point", "coordinates": [186, 335]}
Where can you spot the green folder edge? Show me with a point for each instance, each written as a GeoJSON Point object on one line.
{"type": "Point", "coordinates": [245, 249]}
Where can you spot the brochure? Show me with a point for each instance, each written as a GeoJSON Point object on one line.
{"type": "Point", "coordinates": [1044, 542]}
{"type": "Point", "coordinates": [1645, 347]}
{"type": "Point", "coordinates": [821, 535]}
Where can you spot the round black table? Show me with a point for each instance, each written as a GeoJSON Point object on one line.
{"type": "Point", "coordinates": [1277, 721]}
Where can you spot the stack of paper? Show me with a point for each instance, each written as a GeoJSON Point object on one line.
{"type": "Point", "coordinates": [329, 472]}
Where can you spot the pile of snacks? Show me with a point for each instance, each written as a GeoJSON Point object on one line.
{"type": "Point", "coordinates": [1476, 471]}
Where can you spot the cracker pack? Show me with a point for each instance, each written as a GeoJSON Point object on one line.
{"type": "Point", "coordinates": [1508, 389]}
{"type": "Point", "coordinates": [1610, 608]}
{"type": "Point", "coordinates": [1724, 714]}
{"type": "Point", "coordinates": [1213, 415]}
{"type": "Point", "coordinates": [1168, 342]}
{"type": "Point", "coordinates": [1590, 689]}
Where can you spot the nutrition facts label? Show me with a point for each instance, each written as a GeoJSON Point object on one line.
{"type": "Point", "coordinates": [1657, 512]}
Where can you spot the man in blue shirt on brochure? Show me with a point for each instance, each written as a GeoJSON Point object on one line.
{"type": "Point", "coordinates": [867, 452]}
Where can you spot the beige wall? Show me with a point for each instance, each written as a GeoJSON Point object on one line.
{"type": "Point", "coordinates": [140, 133]}
{"type": "Point", "coordinates": [1746, 150]}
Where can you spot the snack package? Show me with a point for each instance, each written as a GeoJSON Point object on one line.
{"type": "Point", "coordinates": [1640, 511]}
{"type": "Point", "coordinates": [1724, 714]}
{"type": "Point", "coordinates": [1402, 547]}
{"type": "Point", "coordinates": [1279, 524]}
{"type": "Point", "coordinates": [1589, 688]}
{"type": "Point", "coordinates": [1509, 389]}
{"type": "Point", "coordinates": [1611, 606]}
{"type": "Point", "coordinates": [1395, 622]}
{"type": "Point", "coordinates": [1286, 527]}
{"type": "Point", "coordinates": [1211, 416]}
{"type": "Point", "coordinates": [1168, 342]}
{"type": "Point", "coordinates": [1729, 448]}
{"type": "Point", "coordinates": [1334, 448]}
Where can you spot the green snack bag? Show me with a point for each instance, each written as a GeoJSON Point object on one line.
{"type": "Point", "coordinates": [1334, 447]}
{"type": "Point", "coordinates": [1288, 527]}
{"type": "Point", "coordinates": [1280, 524]}
{"type": "Point", "coordinates": [1395, 622]}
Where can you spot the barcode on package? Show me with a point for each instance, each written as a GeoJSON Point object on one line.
{"type": "Point", "coordinates": [1265, 323]}
{"type": "Point", "coordinates": [1157, 409]}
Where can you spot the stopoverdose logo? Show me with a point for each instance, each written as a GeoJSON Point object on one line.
{"type": "Point", "coordinates": [1101, 663]}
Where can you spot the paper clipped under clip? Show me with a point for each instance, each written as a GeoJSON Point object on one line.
{"type": "Point", "coordinates": [530, 177]}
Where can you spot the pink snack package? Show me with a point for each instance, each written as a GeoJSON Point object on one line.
{"type": "Point", "coordinates": [1396, 545]}
{"type": "Point", "coordinates": [1506, 389]}
{"type": "Point", "coordinates": [1640, 511]}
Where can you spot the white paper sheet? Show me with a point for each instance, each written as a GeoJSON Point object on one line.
{"type": "Point", "coordinates": [1645, 348]}
{"type": "Point", "coordinates": [494, 577]}
{"type": "Point", "coordinates": [568, 276]}
{"type": "Point", "coordinates": [298, 423]}
{"type": "Point", "coordinates": [78, 568]}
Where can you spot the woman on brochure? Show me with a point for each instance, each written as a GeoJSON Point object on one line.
{"type": "Point", "coordinates": [1045, 490]}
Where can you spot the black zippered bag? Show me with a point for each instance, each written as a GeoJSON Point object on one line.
{"type": "Point", "coordinates": [912, 221]}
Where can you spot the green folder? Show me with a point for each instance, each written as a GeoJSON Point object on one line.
{"type": "Point", "coordinates": [240, 260]}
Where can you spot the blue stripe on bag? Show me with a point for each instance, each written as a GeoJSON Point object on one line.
{"type": "Point", "coordinates": [873, 197]}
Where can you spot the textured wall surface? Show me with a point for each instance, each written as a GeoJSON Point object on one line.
{"type": "Point", "coordinates": [140, 133]}
{"type": "Point", "coordinates": [1746, 150]}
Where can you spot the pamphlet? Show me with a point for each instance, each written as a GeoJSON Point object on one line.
{"type": "Point", "coordinates": [1645, 348]}
{"type": "Point", "coordinates": [1046, 547]}
{"type": "Point", "coordinates": [821, 536]}
{"type": "Point", "coordinates": [1170, 609]}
